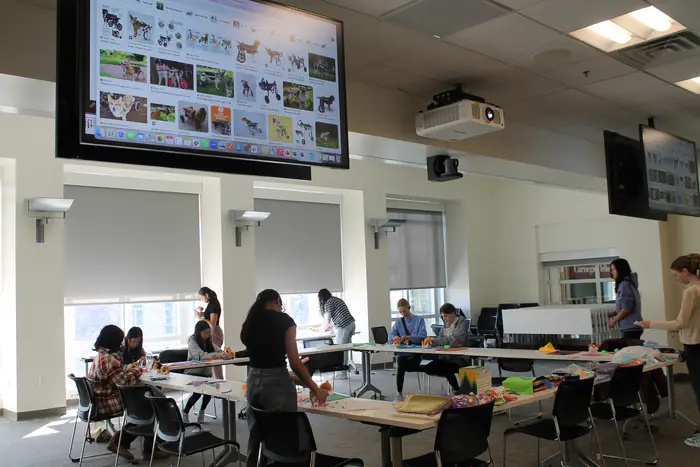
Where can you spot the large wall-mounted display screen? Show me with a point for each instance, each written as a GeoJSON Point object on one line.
{"type": "Point", "coordinates": [215, 78]}
{"type": "Point", "coordinates": [672, 172]}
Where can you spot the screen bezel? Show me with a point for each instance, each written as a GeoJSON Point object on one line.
{"type": "Point", "coordinates": [646, 169]}
{"type": "Point", "coordinates": [72, 94]}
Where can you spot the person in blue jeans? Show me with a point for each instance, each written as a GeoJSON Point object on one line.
{"type": "Point", "coordinates": [628, 302]}
{"type": "Point", "coordinates": [408, 329]}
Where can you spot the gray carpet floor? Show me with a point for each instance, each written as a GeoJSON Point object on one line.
{"type": "Point", "coordinates": [45, 442]}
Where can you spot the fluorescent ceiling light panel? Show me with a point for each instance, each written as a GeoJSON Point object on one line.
{"type": "Point", "coordinates": [654, 18]}
{"type": "Point", "coordinates": [631, 29]}
{"type": "Point", "coordinates": [612, 31]}
{"type": "Point", "coordinates": [692, 85]}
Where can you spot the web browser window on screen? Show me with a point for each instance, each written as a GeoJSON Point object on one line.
{"type": "Point", "coordinates": [229, 76]}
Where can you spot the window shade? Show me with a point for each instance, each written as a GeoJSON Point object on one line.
{"type": "Point", "coordinates": [416, 251]}
{"type": "Point", "coordinates": [298, 249]}
{"type": "Point", "coordinates": [124, 244]}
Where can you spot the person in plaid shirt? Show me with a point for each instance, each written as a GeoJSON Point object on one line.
{"type": "Point", "coordinates": [107, 371]}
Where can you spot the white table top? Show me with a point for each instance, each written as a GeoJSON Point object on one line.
{"type": "Point", "coordinates": [494, 353]}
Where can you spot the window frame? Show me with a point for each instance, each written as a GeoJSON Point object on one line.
{"type": "Point", "coordinates": [555, 285]}
{"type": "Point", "coordinates": [438, 298]}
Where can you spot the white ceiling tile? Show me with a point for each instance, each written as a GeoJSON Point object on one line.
{"type": "Point", "coordinates": [372, 7]}
{"type": "Point", "coordinates": [517, 4]}
{"type": "Point", "coordinates": [514, 86]}
{"type": "Point", "coordinates": [524, 40]}
{"type": "Point", "coordinates": [355, 62]}
{"type": "Point", "coordinates": [393, 78]}
{"type": "Point", "coordinates": [636, 90]}
{"type": "Point", "coordinates": [570, 15]}
{"type": "Point", "coordinates": [598, 68]}
{"type": "Point", "coordinates": [449, 64]}
{"type": "Point", "coordinates": [678, 71]}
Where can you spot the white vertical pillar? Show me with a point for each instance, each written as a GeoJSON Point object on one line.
{"type": "Point", "coordinates": [229, 270]}
{"type": "Point", "coordinates": [33, 363]}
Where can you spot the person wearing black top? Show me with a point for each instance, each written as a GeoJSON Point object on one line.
{"type": "Point", "coordinates": [212, 315]}
{"type": "Point", "coordinates": [270, 338]}
{"type": "Point", "coordinates": [133, 346]}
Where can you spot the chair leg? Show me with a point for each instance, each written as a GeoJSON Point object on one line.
{"type": "Point", "coordinates": [153, 448]}
{"type": "Point", "coordinates": [505, 451]}
{"type": "Point", "coordinates": [651, 435]}
{"type": "Point", "coordinates": [420, 390]}
{"type": "Point", "coordinates": [72, 439]}
{"type": "Point", "coordinates": [597, 438]}
{"type": "Point", "coordinates": [619, 438]}
{"type": "Point", "coordinates": [85, 438]}
{"type": "Point", "coordinates": [121, 433]}
{"type": "Point", "coordinates": [538, 452]}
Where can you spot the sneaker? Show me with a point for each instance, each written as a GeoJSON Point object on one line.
{"type": "Point", "coordinates": [121, 450]}
{"type": "Point", "coordinates": [158, 455]}
{"type": "Point", "coordinates": [693, 441]}
{"type": "Point", "coordinates": [341, 376]}
{"type": "Point", "coordinates": [399, 398]}
{"type": "Point", "coordinates": [185, 417]}
{"type": "Point", "coordinates": [201, 417]}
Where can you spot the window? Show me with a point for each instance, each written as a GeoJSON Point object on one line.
{"type": "Point", "coordinates": [304, 308]}
{"type": "Point", "coordinates": [164, 324]}
{"type": "Point", "coordinates": [580, 282]}
{"type": "Point", "coordinates": [424, 302]}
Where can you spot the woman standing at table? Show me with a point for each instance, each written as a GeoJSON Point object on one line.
{"type": "Point", "coordinates": [133, 346]}
{"type": "Point", "coordinates": [270, 336]}
{"type": "Point", "coordinates": [334, 309]}
{"type": "Point", "coordinates": [628, 302]}
{"type": "Point", "coordinates": [212, 315]}
{"type": "Point", "coordinates": [686, 270]}
{"type": "Point", "coordinates": [409, 329]}
{"type": "Point", "coordinates": [455, 334]}
{"type": "Point", "coordinates": [200, 347]}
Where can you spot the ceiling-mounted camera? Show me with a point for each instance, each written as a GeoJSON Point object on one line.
{"type": "Point", "coordinates": [442, 168]}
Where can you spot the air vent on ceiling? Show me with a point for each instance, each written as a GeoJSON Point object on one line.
{"type": "Point", "coordinates": [661, 51]}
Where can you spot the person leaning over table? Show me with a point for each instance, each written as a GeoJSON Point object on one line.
{"type": "Point", "coordinates": [455, 333]}
{"type": "Point", "coordinates": [409, 329]}
{"type": "Point", "coordinates": [270, 336]}
{"type": "Point", "coordinates": [334, 309]}
{"type": "Point", "coordinates": [200, 347]}
{"type": "Point", "coordinates": [106, 373]}
{"type": "Point", "coordinates": [628, 302]}
{"type": "Point", "coordinates": [686, 270]}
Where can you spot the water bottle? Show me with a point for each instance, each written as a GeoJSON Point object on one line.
{"type": "Point", "coordinates": [149, 360]}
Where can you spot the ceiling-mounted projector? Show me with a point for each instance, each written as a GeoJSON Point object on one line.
{"type": "Point", "coordinates": [455, 115]}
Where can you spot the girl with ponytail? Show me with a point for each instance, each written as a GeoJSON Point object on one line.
{"type": "Point", "coordinates": [686, 270]}
{"type": "Point", "coordinates": [270, 336]}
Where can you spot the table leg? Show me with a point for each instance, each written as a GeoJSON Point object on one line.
{"type": "Point", "coordinates": [367, 378]}
{"type": "Point", "coordinates": [386, 447]}
{"type": "Point", "coordinates": [229, 455]}
{"type": "Point", "coordinates": [396, 444]}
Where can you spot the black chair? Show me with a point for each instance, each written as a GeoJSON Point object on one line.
{"type": "Point", "coordinates": [331, 362]}
{"type": "Point", "coordinates": [87, 413]}
{"type": "Point", "coordinates": [487, 324]}
{"type": "Point", "coordinates": [501, 307]}
{"type": "Point", "coordinates": [515, 365]}
{"type": "Point", "coordinates": [436, 328]}
{"type": "Point", "coordinates": [287, 438]}
{"type": "Point", "coordinates": [625, 403]}
{"type": "Point", "coordinates": [462, 435]}
{"type": "Point", "coordinates": [570, 414]}
{"type": "Point", "coordinates": [138, 419]}
{"type": "Point", "coordinates": [380, 335]}
{"type": "Point", "coordinates": [528, 305]}
{"type": "Point", "coordinates": [171, 436]}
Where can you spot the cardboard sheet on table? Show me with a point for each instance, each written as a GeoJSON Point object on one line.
{"type": "Point", "coordinates": [424, 404]}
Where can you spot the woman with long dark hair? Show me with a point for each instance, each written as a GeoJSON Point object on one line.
{"type": "Point", "coordinates": [212, 315]}
{"type": "Point", "coordinates": [133, 346]}
{"type": "Point", "coordinates": [686, 270]}
{"type": "Point", "coordinates": [270, 336]}
{"type": "Point", "coordinates": [628, 302]}
{"type": "Point", "coordinates": [200, 347]}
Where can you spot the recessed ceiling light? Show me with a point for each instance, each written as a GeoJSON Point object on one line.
{"type": "Point", "coordinates": [653, 17]}
{"type": "Point", "coordinates": [697, 79]}
{"type": "Point", "coordinates": [692, 85]}
{"type": "Point", "coordinates": [612, 31]}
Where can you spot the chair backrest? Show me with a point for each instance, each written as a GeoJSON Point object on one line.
{"type": "Point", "coordinates": [137, 409]}
{"type": "Point", "coordinates": [171, 356]}
{"type": "Point", "coordinates": [488, 319]}
{"type": "Point", "coordinates": [167, 414]}
{"type": "Point", "coordinates": [462, 434]}
{"type": "Point", "coordinates": [85, 395]}
{"type": "Point", "coordinates": [528, 305]}
{"type": "Point", "coordinates": [313, 343]}
{"type": "Point", "coordinates": [625, 385]}
{"type": "Point", "coordinates": [380, 335]}
{"type": "Point", "coordinates": [286, 437]}
{"type": "Point", "coordinates": [325, 362]}
{"type": "Point", "coordinates": [572, 401]}
{"type": "Point", "coordinates": [516, 365]}
{"type": "Point", "coordinates": [436, 328]}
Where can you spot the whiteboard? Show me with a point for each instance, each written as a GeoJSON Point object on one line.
{"type": "Point", "coordinates": [548, 320]}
